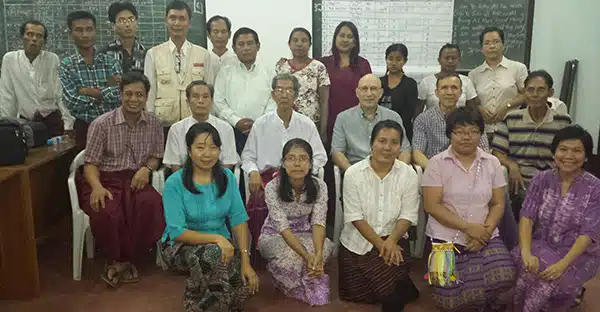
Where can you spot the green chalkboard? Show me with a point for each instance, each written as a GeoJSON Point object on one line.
{"type": "Point", "coordinates": [424, 26]}
{"type": "Point", "coordinates": [53, 13]}
{"type": "Point", "coordinates": [515, 17]}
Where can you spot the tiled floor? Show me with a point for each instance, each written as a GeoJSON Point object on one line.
{"type": "Point", "coordinates": [162, 291]}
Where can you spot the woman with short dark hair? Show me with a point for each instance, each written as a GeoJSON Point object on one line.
{"type": "Point", "coordinates": [198, 201]}
{"type": "Point", "coordinates": [463, 193]}
{"type": "Point", "coordinates": [559, 228]}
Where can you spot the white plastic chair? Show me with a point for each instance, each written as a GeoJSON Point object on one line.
{"type": "Point", "coordinates": [81, 222]}
{"type": "Point", "coordinates": [338, 220]}
{"type": "Point", "coordinates": [158, 180]}
{"type": "Point", "coordinates": [418, 246]}
{"type": "Point", "coordinates": [82, 232]}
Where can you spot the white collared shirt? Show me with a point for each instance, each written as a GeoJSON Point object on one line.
{"type": "Point", "coordinates": [269, 135]}
{"type": "Point", "coordinates": [29, 87]}
{"type": "Point", "coordinates": [176, 148]}
{"type": "Point", "coordinates": [229, 57]}
{"type": "Point", "coordinates": [380, 202]}
{"type": "Point", "coordinates": [242, 93]}
{"type": "Point", "coordinates": [496, 86]}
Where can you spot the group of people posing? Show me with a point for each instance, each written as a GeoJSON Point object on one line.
{"type": "Point", "coordinates": [206, 114]}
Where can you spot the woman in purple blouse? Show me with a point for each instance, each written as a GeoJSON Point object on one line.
{"type": "Point", "coordinates": [345, 68]}
{"type": "Point", "coordinates": [559, 228]}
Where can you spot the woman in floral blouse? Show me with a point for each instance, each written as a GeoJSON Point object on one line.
{"type": "Point", "coordinates": [312, 75]}
{"type": "Point", "coordinates": [293, 236]}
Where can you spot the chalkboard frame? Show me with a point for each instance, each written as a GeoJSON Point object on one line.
{"type": "Point", "coordinates": [317, 28]}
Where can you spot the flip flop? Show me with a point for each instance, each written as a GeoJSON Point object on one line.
{"type": "Point", "coordinates": [114, 282]}
{"type": "Point", "coordinates": [130, 275]}
{"type": "Point", "coordinates": [579, 298]}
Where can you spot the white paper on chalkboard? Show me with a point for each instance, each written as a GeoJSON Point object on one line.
{"type": "Point", "coordinates": [198, 7]}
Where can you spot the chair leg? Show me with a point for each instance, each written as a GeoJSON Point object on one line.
{"type": "Point", "coordinates": [89, 243]}
{"type": "Point", "coordinates": [78, 235]}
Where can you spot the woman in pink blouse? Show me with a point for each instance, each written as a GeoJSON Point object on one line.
{"type": "Point", "coordinates": [292, 239]}
{"type": "Point", "coordinates": [463, 192]}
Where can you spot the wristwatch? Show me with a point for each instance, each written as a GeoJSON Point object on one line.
{"type": "Point", "coordinates": [149, 168]}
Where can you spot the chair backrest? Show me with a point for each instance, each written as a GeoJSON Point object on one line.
{"type": "Point", "coordinates": [77, 162]}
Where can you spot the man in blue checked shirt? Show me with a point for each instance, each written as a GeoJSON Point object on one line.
{"type": "Point", "coordinates": [89, 79]}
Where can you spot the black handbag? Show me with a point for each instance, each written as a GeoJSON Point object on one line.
{"type": "Point", "coordinates": [13, 146]}
{"type": "Point", "coordinates": [36, 133]}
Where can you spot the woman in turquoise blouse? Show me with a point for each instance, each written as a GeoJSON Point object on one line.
{"type": "Point", "coordinates": [198, 200]}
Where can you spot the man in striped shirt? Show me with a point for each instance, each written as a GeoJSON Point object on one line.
{"type": "Point", "coordinates": [88, 78]}
{"type": "Point", "coordinates": [522, 141]}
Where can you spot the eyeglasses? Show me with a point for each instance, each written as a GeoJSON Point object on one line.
{"type": "Point", "coordinates": [463, 134]}
{"type": "Point", "coordinates": [294, 159]}
{"type": "Point", "coordinates": [284, 91]}
{"type": "Point", "coordinates": [124, 21]}
{"type": "Point", "coordinates": [366, 89]}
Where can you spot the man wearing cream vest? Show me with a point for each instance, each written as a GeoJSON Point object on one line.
{"type": "Point", "coordinates": [172, 65]}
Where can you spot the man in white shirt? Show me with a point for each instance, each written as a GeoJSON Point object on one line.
{"type": "Point", "coordinates": [29, 84]}
{"type": "Point", "coordinates": [172, 65]}
{"type": "Point", "coordinates": [243, 89]}
{"type": "Point", "coordinates": [499, 82]}
{"type": "Point", "coordinates": [262, 155]}
{"type": "Point", "coordinates": [199, 96]}
{"type": "Point", "coordinates": [219, 30]}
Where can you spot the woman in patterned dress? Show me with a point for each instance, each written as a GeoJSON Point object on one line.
{"type": "Point", "coordinates": [314, 81]}
{"type": "Point", "coordinates": [198, 200]}
{"type": "Point", "coordinates": [293, 236]}
{"type": "Point", "coordinates": [559, 228]}
{"type": "Point", "coordinates": [463, 192]}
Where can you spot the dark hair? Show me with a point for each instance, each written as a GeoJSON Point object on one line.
{"type": "Point", "coordinates": [464, 116]}
{"type": "Point", "coordinates": [179, 5]}
{"type": "Point", "coordinates": [397, 47]}
{"type": "Point", "coordinates": [574, 132]}
{"type": "Point", "coordinates": [133, 77]}
{"type": "Point", "coordinates": [449, 46]}
{"type": "Point", "coordinates": [441, 76]}
{"type": "Point", "coordinates": [489, 30]}
{"type": "Point", "coordinates": [285, 186]}
{"type": "Point", "coordinates": [118, 7]}
{"type": "Point", "coordinates": [386, 124]}
{"type": "Point", "coordinates": [300, 29]}
{"type": "Point", "coordinates": [245, 31]}
{"type": "Point", "coordinates": [34, 22]}
{"type": "Point", "coordinates": [80, 15]}
{"type": "Point", "coordinates": [218, 172]}
{"type": "Point", "coordinates": [355, 51]}
{"type": "Point", "coordinates": [542, 74]}
{"type": "Point", "coordinates": [194, 83]}
{"type": "Point", "coordinates": [216, 18]}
